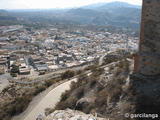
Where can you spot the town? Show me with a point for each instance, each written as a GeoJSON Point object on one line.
{"type": "Point", "coordinates": [25, 51]}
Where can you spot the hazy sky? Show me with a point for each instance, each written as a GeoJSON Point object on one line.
{"type": "Point", "coordinates": [30, 4]}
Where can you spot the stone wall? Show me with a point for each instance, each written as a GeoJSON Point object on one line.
{"type": "Point", "coordinates": [148, 59]}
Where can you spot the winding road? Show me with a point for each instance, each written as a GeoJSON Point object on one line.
{"type": "Point", "coordinates": [48, 101]}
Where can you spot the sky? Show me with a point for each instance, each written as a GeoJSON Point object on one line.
{"type": "Point", "coordinates": [46, 4]}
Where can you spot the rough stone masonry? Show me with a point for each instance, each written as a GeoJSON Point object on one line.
{"type": "Point", "coordinates": [147, 61]}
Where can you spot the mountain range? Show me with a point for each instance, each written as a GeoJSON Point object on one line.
{"type": "Point", "coordinates": [118, 14]}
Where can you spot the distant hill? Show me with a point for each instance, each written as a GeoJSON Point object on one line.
{"type": "Point", "coordinates": [6, 19]}
{"type": "Point", "coordinates": [116, 14]}
{"type": "Point", "coordinates": [117, 5]}
{"type": "Point", "coordinates": [99, 6]}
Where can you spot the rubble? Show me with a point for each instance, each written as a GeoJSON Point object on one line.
{"type": "Point", "coordinates": [69, 114]}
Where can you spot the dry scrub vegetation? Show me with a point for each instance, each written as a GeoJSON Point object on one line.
{"type": "Point", "coordinates": [90, 96]}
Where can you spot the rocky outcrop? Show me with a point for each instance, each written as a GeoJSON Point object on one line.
{"type": "Point", "coordinates": [69, 114]}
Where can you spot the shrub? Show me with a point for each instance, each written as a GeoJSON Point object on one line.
{"type": "Point", "coordinates": [65, 95]}
{"type": "Point", "coordinates": [80, 92]}
{"type": "Point", "coordinates": [57, 79]}
{"type": "Point", "coordinates": [96, 71]}
{"type": "Point", "coordinates": [48, 83]}
{"type": "Point", "coordinates": [101, 98]}
{"type": "Point", "coordinates": [99, 88]}
{"type": "Point", "coordinates": [69, 103]}
{"type": "Point", "coordinates": [79, 72]}
{"type": "Point", "coordinates": [39, 89]}
{"type": "Point", "coordinates": [88, 108]}
{"type": "Point", "coordinates": [67, 74]}
{"type": "Point", "coordinates": [82, 80]}
{"type": "Point", "coordinates": [13, 74]}
{"type": "Point", "coordinates": [87, 68]}
{"type": "Point", "coordinates": [93, 83]}
{"type": "Point", "coordinates": [17, 106]}
{"type": "Point", "coordinates": [73, 85]}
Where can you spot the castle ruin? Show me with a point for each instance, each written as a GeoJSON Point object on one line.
{"type": "Point", "coordinates": [147, 60]}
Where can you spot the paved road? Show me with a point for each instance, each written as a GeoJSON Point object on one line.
{"type": "Point", "coordinates": [49, 101]}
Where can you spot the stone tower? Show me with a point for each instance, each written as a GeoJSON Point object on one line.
{"type": "Point", "coordinates": [147, 60]}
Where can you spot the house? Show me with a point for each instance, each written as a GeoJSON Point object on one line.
{"type": "Point", "coordinates": [24, 70]}
{"type": "Point", "coordinates": [3, 51]}
{"type": "Point", "coordinates": [42, 67]}
{"type": "Point", "coordinates": [3, 39]}
{"type": "Point", "coordinates": [3, 61]}
{"type": "Point", "coordinates": [53, 67]}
